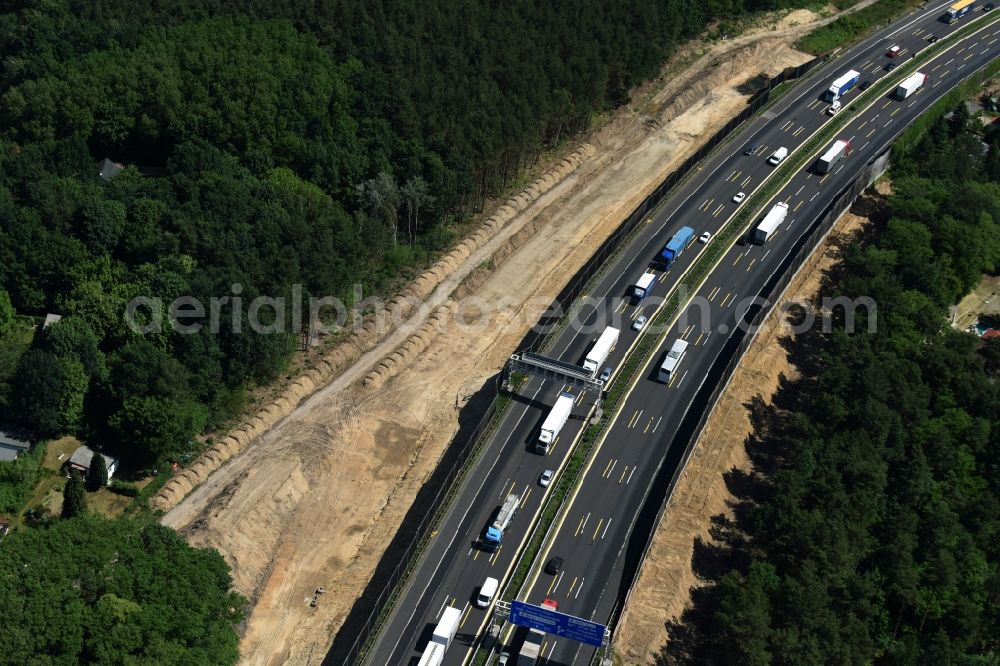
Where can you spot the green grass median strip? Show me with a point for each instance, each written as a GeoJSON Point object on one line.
{"type": "Point", "coordinates": [854, 26]}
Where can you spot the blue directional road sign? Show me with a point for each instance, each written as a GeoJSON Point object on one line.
{"type": "Point", "coordinates": [554, 622]}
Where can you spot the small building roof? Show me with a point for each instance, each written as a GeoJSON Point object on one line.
{"type": "Point", "coordinates": [107, 169]}
{"type": "Point", "coordinates": [82, 456]}
{"type": "Point", "coordinates": [51, 319]}
{"type": "Point", "coordinates": [13, 441]}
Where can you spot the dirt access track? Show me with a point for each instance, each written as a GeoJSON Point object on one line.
{"type": "Point", "coordinates": [309, 494]}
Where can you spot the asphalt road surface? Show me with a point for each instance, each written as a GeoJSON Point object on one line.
{"type": "Point", "coordinates": [599, 521]}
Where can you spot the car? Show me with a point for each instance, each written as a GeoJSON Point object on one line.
{"type": "Point", "coordinates": [546, 478]}
{"type": "Point", "coordinates": [606, 373]}
{"type": "Point", "coordinates": [504, 659]}
{"type": "Point", "coordinates": [890, 66]}
{"type": "Point", "coordinates": [892, 52]}
{"type": "Point", "coordinates": [834, 108]}
{"type": "Point", "coordinates": [639, 322]}
{"type": "Point", "coordinates": [554, 566]}
{"type": "Point", "coordinates": [932, 38]}
{"type": "Point", "coordinates": [750, 149]}
{"type": "Point", "coordinates": [988, 7]}
{"type": "Point", "coordinates": [739, 196]}
{"type": "Point", "coordinates": [705, 237]}
{"type": "Point", "coordinates": [865, 85]}
{"type": "Point", "coordinates": [550, 603]}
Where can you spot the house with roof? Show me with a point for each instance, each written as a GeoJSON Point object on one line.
{"type": "Point", "coordinates": [107, 169]}
{"type": "Point", "coordinates": [80, 461]}
{"type": "Point", "coordinates": [13, 442]}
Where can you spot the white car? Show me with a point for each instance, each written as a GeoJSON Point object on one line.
{"type": "Point", "coordinates": [504, 658]}
{"type": "Point", "coordinates": [705, 237]}
{"type": "Point", "coordinates": [740, 196]}
{"type": "Point", "coordinates": [834, 108]}
{"type": "Point", "coordinates": [639, 322]}
{"type": "Point", "coordinates": [546, 478]}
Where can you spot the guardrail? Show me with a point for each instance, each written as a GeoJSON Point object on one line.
{"type": "Point", "coordinates": [697, 273]}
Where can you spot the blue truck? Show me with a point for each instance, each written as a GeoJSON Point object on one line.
{"type": "Point", "coordinates": [841, 85]}
{"type": "Point", "coordinates": [681, 240]}
{"type": "Point", "coordinates": [494, 531]}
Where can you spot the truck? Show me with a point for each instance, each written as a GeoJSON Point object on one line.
{"type": "Point", "coordinates": [770, 223]}
{"type": "Point", "coordinates": [444, 634]}
{"type": "Point", "coordinates": [958, 10]}
{"type": "Point", "coordinates": [680, 242]}
{"type": "Point", "coordinates": [494, 532]}
{"type": "Point", "coordinates": [910, 85]}
{"type": "Point", "coordinates": [554, 422]}
{"type": "Point", "coordinates": [777, 156]}
{"type": "Point", "coordinates": [840, 148]}
{"type": "Point", "coordinates": [841, 85]}
{"type": "Point", "coordinates": [600, 351]}
{"type": "Point", "coordinates": [672, 360]}
{"type": "Point", "coordinates": [532, 647]}
{"type": "Point", "coordinates": [644, 287]}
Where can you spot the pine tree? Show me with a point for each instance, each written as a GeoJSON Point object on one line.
{"type": "Point", "coordinates": [97, 473]}
{"type": "Point", "coordinates": [74, 497]}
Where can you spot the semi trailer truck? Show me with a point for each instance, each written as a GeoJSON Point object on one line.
{"type": "Point", "coordinates": [910, 85]}
{"type": "Point", "coordinates": [839, 149]}
{"type": "Point", "coordinates": [554, 422]}
{"type": "Point", "coordinates": [770, 223]}
{"type": "Point", "coordinates": [494, 531]}
{"type": "Point", "coordinates": [444, 634]}
{"type": "Point", "coordinates": [677, 244]}
{"type": "Point", "coordinates": [599, 352]}
{"type": "Point", "coordinates": [841, 85]}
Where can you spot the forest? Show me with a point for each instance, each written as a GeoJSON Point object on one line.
{"type": "Point", "coordinates": [869, 528]}
{"type": "Point", "coordinates": [97, 591]}
{"type": "Point", "coordinates": [265, 145]}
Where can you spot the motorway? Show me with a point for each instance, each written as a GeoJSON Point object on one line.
{"type": "Point", "coordinates": [599, 520]}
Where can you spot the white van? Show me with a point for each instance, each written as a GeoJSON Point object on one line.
{"type": "Point", "coordinates": [777, 156]}
{"type": "Point", "coordinates": [486, 592]}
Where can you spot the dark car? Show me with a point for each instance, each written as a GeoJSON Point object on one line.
{"type": "Point", "coordinates": [554, 566]}
{"type": "Point", "coordinates": [750, 150]}
{"type": "Point", "coordinates": [932, 39]}
{"type": "Point", "coordinates": [865, 85]}
{"type": "Point", "coordinates": [891, 66]}
{"type": "Point", "coordinates": [988, 6]}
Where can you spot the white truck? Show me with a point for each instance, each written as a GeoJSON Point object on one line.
{"type": "Point", "coordinates": [777, 156]}
{"type": "Point", "coordinates": [532, 647]}
{"type": "Point", "coordinates": [840, 148]}
{"type": "Point", "coordinates": [910, 85]}
{"type": "Point", "coordinates": [444, 634]}
{"type": "Point", "coordinates": [770, 223]}
{"type": "Point", "coordinates": [672, 359]}
{"type": "Point", "coordinates": [643, 287]}
{"type": "Point", "coordinates": [599, 352]}
{"type": "Point", "coordinates": [555, 421]}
